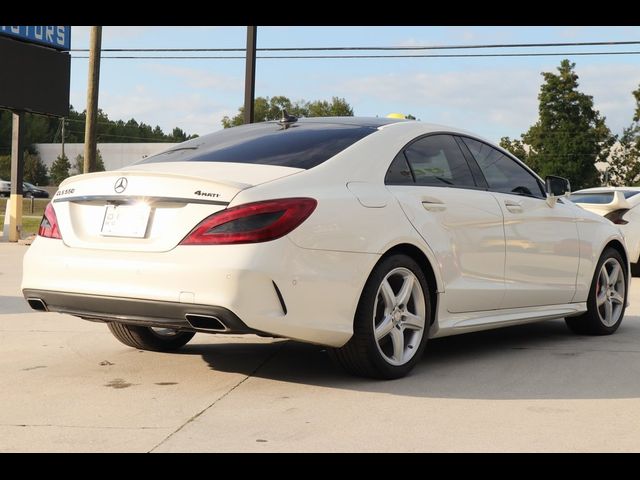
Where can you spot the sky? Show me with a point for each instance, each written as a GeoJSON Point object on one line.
{"type": "Point", "coordinates": [493, 97]}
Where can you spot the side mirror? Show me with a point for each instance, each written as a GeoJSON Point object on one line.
{"type": "Point", "coordinates": [556, 187]}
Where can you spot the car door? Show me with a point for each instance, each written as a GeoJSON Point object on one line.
{"type": "Point", "coordinates": [459, 220]}
{"type": "Point", "coordinates": [542, 251]}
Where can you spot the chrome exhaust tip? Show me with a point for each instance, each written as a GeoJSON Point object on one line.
{"type": "Point", "coordinates": [37, 304]}
{"type": "Point", "coordinates": [205, 323]}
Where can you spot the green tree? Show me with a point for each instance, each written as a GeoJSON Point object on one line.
{"type": "Point", "coordinates": [59, 170]}
{"type": "Point", "coordinates": [515, 147]}
{"type": "Point", "coordinates": [624, 161]}
{"type": "Point", "coordinates": [5, 167]}
{"type": "Point", "coordinates": [338, 107]}
{"type": "Point", "coordinates": [78, 164]}
{"type": "Point", "coordinates": [34, 170]}
{"type": "Point", "coordinates": [42, 129]}
{"type": "Point", "coordinates": [178, 135]}
{"type": "Point", "coordinates": [570, 136]}
{"type": "Point", "coordinates": [270, 108]}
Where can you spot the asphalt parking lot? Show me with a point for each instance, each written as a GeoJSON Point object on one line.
{"type": "Point", "coordinates": [68, 385]}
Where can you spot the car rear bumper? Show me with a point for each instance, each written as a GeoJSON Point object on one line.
{"type": "Point", "coordinates": [274, 287]}
{"type": "Point", "coordinates": [135, 311]}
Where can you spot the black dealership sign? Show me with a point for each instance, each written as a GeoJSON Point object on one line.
{"type": "Point", "coordinates": [34, 78]}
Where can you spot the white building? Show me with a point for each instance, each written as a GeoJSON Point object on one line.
{"type": "Point", "coordinates": [114, 155]}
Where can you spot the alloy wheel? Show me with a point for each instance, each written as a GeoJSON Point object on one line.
{"type": "Point", "coordinates": [399, 316]}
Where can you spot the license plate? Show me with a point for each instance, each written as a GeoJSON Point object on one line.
{"type": "Point", "coordinates": [125, 221]}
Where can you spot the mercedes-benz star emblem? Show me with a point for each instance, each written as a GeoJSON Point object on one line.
{"type": "Point", "coordinates": [121, 185]}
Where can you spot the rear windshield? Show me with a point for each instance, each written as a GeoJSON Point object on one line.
{"type": "Point", "coordinates": [599, 197]}
{"type": "Point", "coordinates": [302, 145]}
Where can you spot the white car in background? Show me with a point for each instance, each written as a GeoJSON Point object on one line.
{"type": "Point", "coordinates": [618, 204]}
{"type": "Point", "coordinates": [366, 235]}
{"type": "Point", "coordinates": [5, 188]}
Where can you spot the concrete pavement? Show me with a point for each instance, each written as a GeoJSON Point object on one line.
{"type": "Point", "coordinates": [68, 385]}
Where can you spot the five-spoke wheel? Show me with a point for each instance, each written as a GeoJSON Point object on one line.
{"type": "Point", "coordinates": [607, 297]}
{"type": "Point", "coordinates": [391, 324]}
{"type": "Point", "coordinates": [399, 318]}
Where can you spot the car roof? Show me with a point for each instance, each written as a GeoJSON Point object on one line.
{"type": "Point", "coordinates": [607, 189]}
{"type": "Point", "coordinates": [356, 121]}
{"type": "Point", "coordinates": [381, 122]}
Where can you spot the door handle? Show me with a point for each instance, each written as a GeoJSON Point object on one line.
{"type": "Point", "coordinates": [513, 206]}
{"type": "Point", "coordinates": [434, 205]}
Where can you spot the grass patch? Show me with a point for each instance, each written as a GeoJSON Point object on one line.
{"type": "Point", "coordinates": [29, 225]}
{"type": "Point", "coordinates": [39, 205]}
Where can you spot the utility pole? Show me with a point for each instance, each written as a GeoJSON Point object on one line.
{"type": "Point", "coordinates": [92, 100]}
{"type": "Point", "coordinates": [250, 75]}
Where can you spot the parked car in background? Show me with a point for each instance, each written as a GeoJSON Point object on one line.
{"type": "Point", "coordinates": [29, 190]}
{"type": "Point", "coordinates": [620, 205]}
{"type": "Point", "coordinates": [366, 235]}
{"type": "Point", "coordinates": [5, 188]}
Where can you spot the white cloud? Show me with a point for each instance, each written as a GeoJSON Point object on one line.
{"type": "Point", "coordinates": [611, 86]}
{"type": "Point", "coordinates": [504, 98]}
{"type": "Point", "coordinates": [199, 78]}
{"type": "Point", "coordinates": [493, 102]}
{"type": "Point", "coordinates": [112, 34]}
{"type": "Point", "coordinates": [193, 112]}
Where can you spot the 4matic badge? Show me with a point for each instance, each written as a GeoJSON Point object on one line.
{"type": "Point", "coordinates": [206, 194]}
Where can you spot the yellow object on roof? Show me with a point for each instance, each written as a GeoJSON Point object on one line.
{"type": "Point", "coordinates": [396, 115]}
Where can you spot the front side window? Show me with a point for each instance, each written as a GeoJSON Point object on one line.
{"type": "Point", "coordinates": [437, 160]}
{"type": "Point", "coordinates": [502, 173]}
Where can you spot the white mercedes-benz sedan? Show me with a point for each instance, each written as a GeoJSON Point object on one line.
{"type": "Point", "coordinates": [369, 236]}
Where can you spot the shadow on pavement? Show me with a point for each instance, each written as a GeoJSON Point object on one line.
{"type": "Point", "coordinates": [538, 361]}
{"type": "Point", "coordinates": [11, 305]}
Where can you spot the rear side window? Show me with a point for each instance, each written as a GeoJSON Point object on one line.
{"type": "Point", "coordinates": [399, 172]}
{"type": "Point", "coordinates": [595, 198]}
{"type": "Point", "coordinates": [302, 145]}
{"type": "Point", "coordinates": [437, 160]}
{"type": "Point", "coordinates": [503, 174]}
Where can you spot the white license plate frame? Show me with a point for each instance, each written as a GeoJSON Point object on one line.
{"type": "Point", "coordinates": [125, 221]}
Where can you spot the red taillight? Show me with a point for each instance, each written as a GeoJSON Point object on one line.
{"type": "Point", "coordinates": [617, 216]}
{"type": "Point", "coordinates": [252, 222]}
{"type": "Point", "coordinates": [49, 224]}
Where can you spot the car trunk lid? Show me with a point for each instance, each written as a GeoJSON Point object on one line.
{"type": "Point", "coordinates": [150, 207]}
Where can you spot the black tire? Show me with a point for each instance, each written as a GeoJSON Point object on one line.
{"type": "Point", "coordinates": [591, 322]}
{"type": "Point", "coordinates": [361, 355]}
{"type": "Point", "coordinates": [145, 338]}
{"type": "Point", "coordinates": [635, 269]}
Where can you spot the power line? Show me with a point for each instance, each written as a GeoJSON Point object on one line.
{"type": "Point", "coordinates": [291, 57]}
{"type": "Point", "coordinates": [380, 48]}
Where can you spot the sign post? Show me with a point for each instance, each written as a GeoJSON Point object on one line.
{"type": "Point", "coordinates": [17, 169]}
